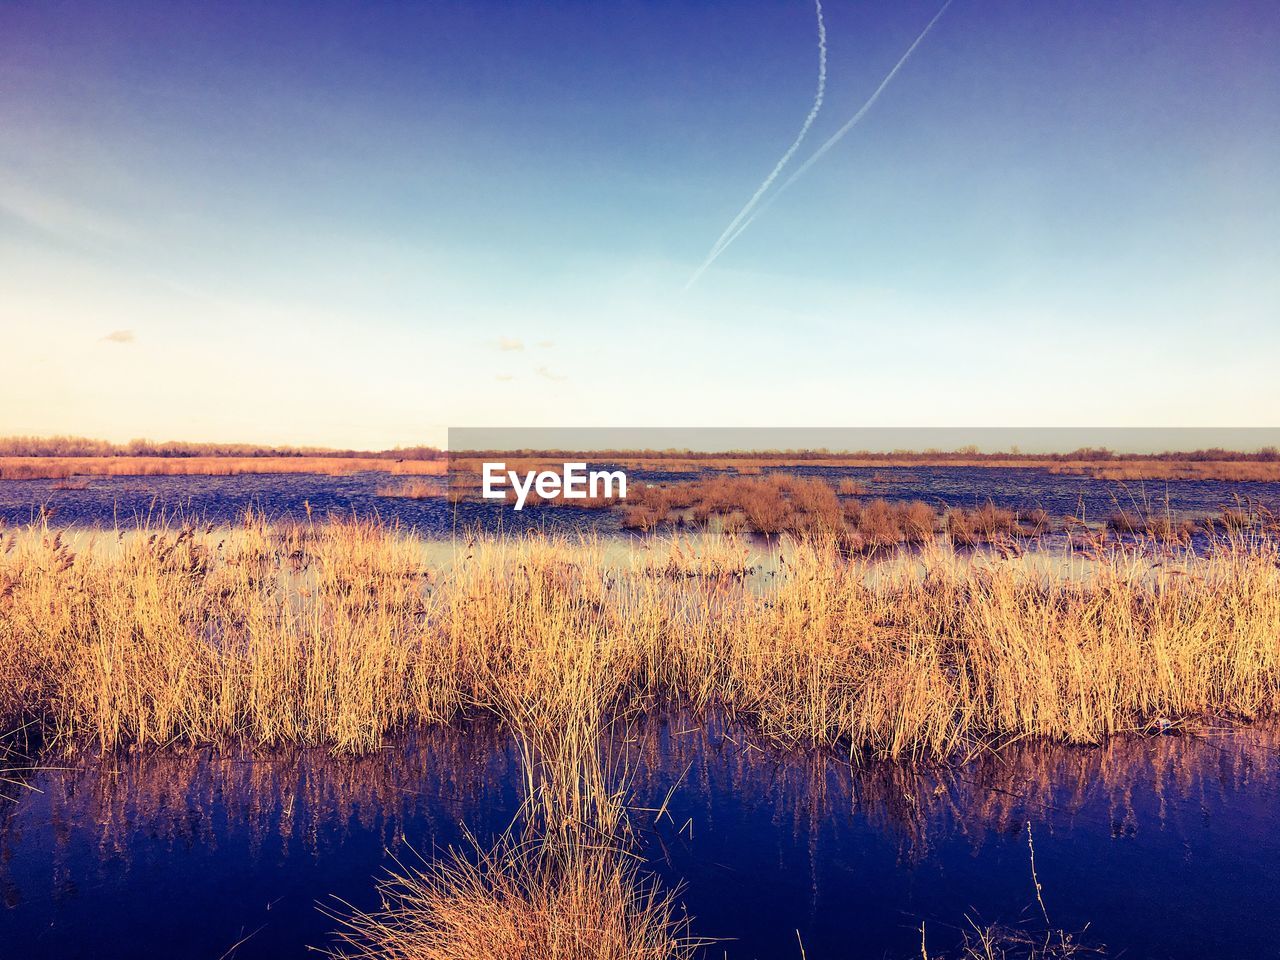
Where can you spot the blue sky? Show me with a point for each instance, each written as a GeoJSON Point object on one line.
{"type": "Point", "coordinates": [361, 224]}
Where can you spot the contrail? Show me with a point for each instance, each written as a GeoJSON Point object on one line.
{"type": "Point", "coordinates": [786, 157]}
{"type": "Point", "coordinates": [822, 150]}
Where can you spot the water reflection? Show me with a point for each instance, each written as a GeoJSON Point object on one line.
{"type": "Point", "coordinates": [193, 850]}
{"type": "Point", "coordinates": [282, 804]}
{"type": "Point", "coordinates": [992, 795]}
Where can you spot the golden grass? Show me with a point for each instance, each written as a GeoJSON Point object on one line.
{"type": "Point", "coordinates": [511, 903]}
{"type": "Point", "coordinates": [58, 457]}
{"type": "Point", "coordinates": [772, 504]}
{"type": "Point", "coordinates": [341, 633]}
{"type": "Point", "coordinates": [563, 883]}
{"type": "Point", "coordinates": [37, 468]}
{"type": "Point", "coordinates": [68, 446]}
{"type": "Point", "coordinates": [1202, 464]}
{"type": "Point", "coordinates": [413, 490]}
{"type": "Point", "coordinates": [468, 469]}
{"type": "Point", "coordinates": [811, 508]}
{"type": "Point", "coordinates": [707, 557]}
{"type": "Point", "coordinates": [1228, 470]}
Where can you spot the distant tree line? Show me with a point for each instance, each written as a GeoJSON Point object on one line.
{"type": "Point", "coordinates": [1093, 454]}
{"type": "Point", "coordinates": [65, 446]}
{"type": "Point", "coordinates": [86, 447]}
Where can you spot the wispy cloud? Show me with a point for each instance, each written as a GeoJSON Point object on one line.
{"type": "Point", "coordinates": [550, 374]}
{"type": "Point", "coordinates": [54, 214]}
{"type": "Point", "coordinates": [510, 343]}
{"type": "Point", "coordinates": [504, 377]}
{"type": "Point", "coordinates": [546, 344]}
{"type": "Point", "coordinates": [120, 336]}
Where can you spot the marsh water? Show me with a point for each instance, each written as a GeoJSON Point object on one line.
{"type": "Point", "coordinates": [1163, 847]}
{"type": "Point", "coordinates": [108, 501]}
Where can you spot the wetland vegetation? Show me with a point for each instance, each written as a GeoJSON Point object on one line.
{"type": "Point", "coordinates": [270, 638]}
{"type": "Point", "coordinates": [339, 633]}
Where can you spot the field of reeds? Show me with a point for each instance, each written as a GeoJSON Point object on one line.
{"type": "Point", "coordinates": [62, 457]}
{"type": "Point", "coordinates": [783, 504]}
{"type": "Point", "coordinates": [466, 467]}
{"type": "Point", "coordinates": [779, 503]}
{"type": "Point", "coordinates": [67, 446]}
{"type": "Point", "coordinates": [1267, 471]}
{"type": "Point", "coordinates": [811, 508]}
{"type": "Point", "coordinates": [417, 489]}
{"type": "Point", "coordinates": [341, 633]}
{"type": "Point", "coordinates": [1219, 464]}
{"type": "Point", "coordinates": [60, 468]}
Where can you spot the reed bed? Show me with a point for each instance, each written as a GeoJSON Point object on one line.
{"type": "Point", "coordinates": [413, 490]}
{"type": "Point", "coordinates": [1262, 471]}
{"type": "Point", "coordinates": [69, 446]}
{"type": "Point", "coordinates": [811, 508]}
{"type": "Point", "coordinates": [339, 634]}
{"type": "Point", "coordinates": [61, 468]}
{"type": "Point", "coordinates": [1214, 463]}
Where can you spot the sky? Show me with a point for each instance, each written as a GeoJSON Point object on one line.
{"type": "Point", "coordinates": [362, 224]}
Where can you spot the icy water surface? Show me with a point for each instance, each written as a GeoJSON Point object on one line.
{"type": "Point", "coordinates": [1163, 848]}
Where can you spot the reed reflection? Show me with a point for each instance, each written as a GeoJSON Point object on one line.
{"type": "Point", "coordinates": [90, 818]}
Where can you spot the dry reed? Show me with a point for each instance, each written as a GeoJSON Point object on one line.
{"type": "Point", "coordinates": [413, 490]}
{"type": "Point", "coordinates": [56, 468]}
{"type": "Point", "coordinates": [563, 883]}
{"type": "Point", "coordinates": [511, 903]}
{"type": "Point", "coordinates": [341, 633]}
{"type": "Point", "coordinates": [1264, 471]}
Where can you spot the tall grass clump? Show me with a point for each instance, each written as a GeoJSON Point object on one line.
{"type": "Point", "coordinates": [564, 882]}
{"type": "Point", "coordinates": [515, 902]}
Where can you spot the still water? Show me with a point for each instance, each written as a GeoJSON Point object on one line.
{"type": "Point", "coordinates": [1162, 848]}
{"type": "Point", "coordinates": [108, 501]}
